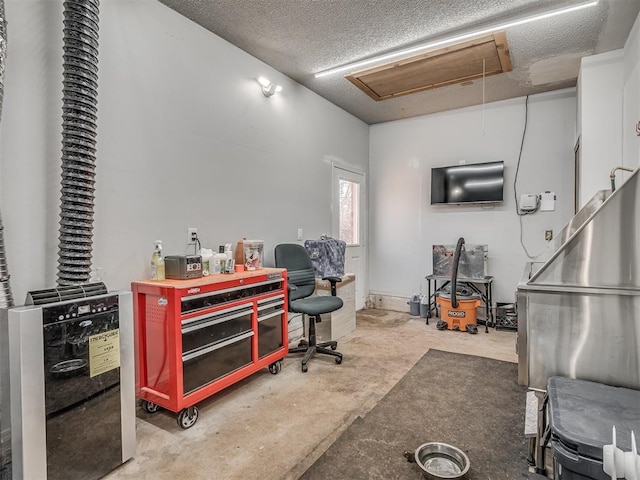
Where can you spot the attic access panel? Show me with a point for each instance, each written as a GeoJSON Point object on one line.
{"type": "Point", "coordinates": [445, 66]}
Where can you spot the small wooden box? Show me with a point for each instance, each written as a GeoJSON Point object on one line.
{"type": "Point", "coordinates": [337, 324]}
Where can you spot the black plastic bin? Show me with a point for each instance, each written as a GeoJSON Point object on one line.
{"type": "Point", "coordinates": [506, 316]}
{"type": "Point", "coordinates": [581, 417]}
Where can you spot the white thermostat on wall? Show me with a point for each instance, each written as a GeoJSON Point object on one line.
{"type": "Point", "coordinates": [528, 202]}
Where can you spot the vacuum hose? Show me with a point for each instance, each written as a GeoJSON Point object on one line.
{"type": "Point", "coordinates": [454, 272]}
{"type": "Point", "coordinates": [6, 299]}
{"type": "Point", "coordinates": [79, 116]}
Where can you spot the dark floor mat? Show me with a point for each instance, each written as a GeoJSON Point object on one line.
{"type": "Point", "coordinates": [471, 402]}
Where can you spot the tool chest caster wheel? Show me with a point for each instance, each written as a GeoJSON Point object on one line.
{"type": "Point", "coordinates": [338, 360]}
{"type": "Point", "coordinates": [275, 367]}
{"type": "Point", "coordinates": [188, 417]}
{"type": "Point", "coordinates": [150, 407]}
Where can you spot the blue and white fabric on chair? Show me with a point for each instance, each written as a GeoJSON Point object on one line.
{"type": "Point", "coordinates": [327, 256]}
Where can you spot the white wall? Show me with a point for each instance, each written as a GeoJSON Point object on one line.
{"type": "Point", "coordinates": [600, 123]}
{"type": "Point", "coordinates": [30, 136]}
{"type": "Point", "coordinates": [631, 96]}
{"type": "Point", "coordinates": [403, 224]}
{"type": "Point", "coordinates": [608, 115]}
{"type": "Point", "coordinates": [185, 139]}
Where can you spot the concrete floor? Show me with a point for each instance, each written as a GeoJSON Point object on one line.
{"type": "Point", "coordinates": [273, 427]}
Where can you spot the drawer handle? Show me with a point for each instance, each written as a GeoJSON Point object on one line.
{"type": "Point", "coordinates": [216, 346]}
{"type": "Point", "coordinates": [232, 289]}
{"type": "Point", "coordinates": [192, 323]}
{"type": "Point", "coordinates": [273, 314]}
{"type": "Point", "coordinates": [220, 312]}
{"type": "Point", "coordinates": [270, 305]}
{"type": "Point", "coordinates": [265, 300]}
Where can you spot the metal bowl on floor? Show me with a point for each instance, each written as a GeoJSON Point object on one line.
{"type": "Point", "coordinates": [440, 461]}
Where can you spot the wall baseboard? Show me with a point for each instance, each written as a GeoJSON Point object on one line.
{"type": "Point", "coordinates": [388, 302]}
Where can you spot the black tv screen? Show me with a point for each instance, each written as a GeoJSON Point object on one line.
{"type": "Point", "coordinates": [467, 183]}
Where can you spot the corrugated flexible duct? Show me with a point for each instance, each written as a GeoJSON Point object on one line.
{"type": "Point", "coordinates": [79, 116]}
{"type": "Point", "coordinates": [6, 299]}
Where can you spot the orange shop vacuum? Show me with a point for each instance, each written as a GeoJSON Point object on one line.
{"type": "Point", "coordinates": [458, 309]}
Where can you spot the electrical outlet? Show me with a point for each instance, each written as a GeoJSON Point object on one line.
{"type": "Point", "coordinates": [192, 234]}
{"type": "Point", "coordinates": [299, 234]}
{"type": "Point", "coordinates": [548, 234]}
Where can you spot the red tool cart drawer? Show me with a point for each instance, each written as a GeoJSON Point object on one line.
{"type": "Point", "coordinates": [271, 319]}
{"type": "Point", "coordinates": [196, 337]}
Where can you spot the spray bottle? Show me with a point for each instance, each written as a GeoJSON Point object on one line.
{"type": "Point", "coordinates": [219, 261]}
{"type": "Point", "coordinates": [157, 262]}
{"type": "Point", "coordinates": [230, 265]}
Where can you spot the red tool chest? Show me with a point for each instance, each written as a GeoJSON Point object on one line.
{"type": "Point", "coordinates": [196, 337]}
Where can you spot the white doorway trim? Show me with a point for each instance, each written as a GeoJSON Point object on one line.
{"type": "Point", "coordinates": [356, 255]}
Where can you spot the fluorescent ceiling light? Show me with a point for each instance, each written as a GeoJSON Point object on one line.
{"type": "Point", "coordinates": [457, 38]}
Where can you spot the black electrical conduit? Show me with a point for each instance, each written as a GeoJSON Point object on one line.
{"type": "Point", "coordinates": [6, 299]}
{"type": "Point", "coordinates": [79, 117]}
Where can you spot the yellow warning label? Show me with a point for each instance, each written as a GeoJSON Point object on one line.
{"type": "Point", "coordinates": [104, 352]}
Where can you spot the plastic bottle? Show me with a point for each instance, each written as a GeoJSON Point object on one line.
{"type": "Point", "coordinates": [219, 261]}
{"type": "Point", "coordinates": [239, 254]}
{"type": "Point", "coordinates": [230, 265]}
{"type": "Point", "coordinates": [223, 259]}
{"type": "Point", "coordinates": [206, 254]}
{"type": "Point", "coordinates": [157, 262]}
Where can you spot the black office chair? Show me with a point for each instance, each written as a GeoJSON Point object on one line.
{"type": "Point", "coordinates": [302, 284]}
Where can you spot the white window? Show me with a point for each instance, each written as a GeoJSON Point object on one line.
{"type": "Point", "coordinates": [349, 211]}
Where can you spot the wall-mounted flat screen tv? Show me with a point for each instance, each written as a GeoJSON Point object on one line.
{"type": "Point", "coordinates": [467, 183]}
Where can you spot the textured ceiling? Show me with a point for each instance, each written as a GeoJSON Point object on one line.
{"type": "Point", "coordinates": [302, 37]}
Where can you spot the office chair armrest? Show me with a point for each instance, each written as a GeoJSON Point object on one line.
{"type": "Point", "coordinates": [290, 288]}
{"type": "Point", "coordinates": [333, 281]}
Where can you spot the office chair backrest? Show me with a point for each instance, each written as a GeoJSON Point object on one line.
{"type": "Point", "coordinates": [296, 260]}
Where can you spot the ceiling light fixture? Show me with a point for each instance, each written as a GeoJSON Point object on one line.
{"type": "Point", "coordinates": [457, 38]}
{"type": "Point", "coordinates": [268, 88]}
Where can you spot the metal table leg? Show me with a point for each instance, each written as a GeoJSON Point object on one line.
{"type": "Point", "coordinates": [487, 306]}
{"type": "Point", "coordinates": [428, 299]}
{"type": "Point", "coordinates": [490, 295]}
